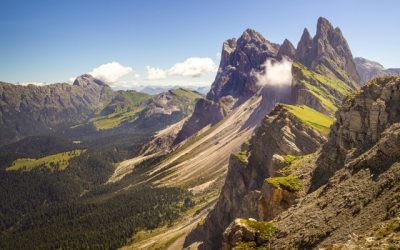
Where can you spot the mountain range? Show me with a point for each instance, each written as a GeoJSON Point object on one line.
{"type": "Point", "coordinates": [305, 158]}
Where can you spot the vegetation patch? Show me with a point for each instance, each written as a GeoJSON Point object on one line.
{"type": "Point", "coordinates": [311, 118]}
{"type": "Point", "coordinates": [242, 156]}
{"type": "Point", "coordinates": [289, 182]}
{"type": "Point", "coordinates": [115, 119]}
{"type": "Point", "coordinates": [393, 226]}
{"type": "Point", "coordinates": [289, 159]}
{"type": "Point", "coordinates": [291, 162]}
{"type": "Point", "coordinates": [263, 229]}
{"type": "Point", "coordinates": [326, 87]}
{"type": "Point", "coordinates": [58, 161]}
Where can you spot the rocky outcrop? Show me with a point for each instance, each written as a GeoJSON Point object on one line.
{"type": "Point", "coordinates": [238, 59]}
{"type": "Point", "coordinates": [206, 112]}
{"type": "Point", "coordinates": [235, 81]}
{"type": "Point", "coordinates": [368, 69]}
{"type": "Point", "coordinates": [32, 110]}
{"type": "Point", "coordinates": [304, 45]}
{"type": "Point", "coordinates": [287, 49]}
{"type": "Point", "coordinates": [360, 123]}
{"type": "Point", "coordinates": [360, 194]}
{"type": "Point", "coordinates": [245, 193]}
{"type": "Point", "coordinates": [329, 53]}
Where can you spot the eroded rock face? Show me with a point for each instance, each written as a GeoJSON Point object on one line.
{"type": "Point", "coordinates": [244, 193]}
{"type": "Point", "coordinates": [287, 49]}
{"type": "Point", "coordinates": [238, 59]}
{"type": "Point", "coordinates": [359, 125]}
{"type": "Point", "coordinates": [235, 81]}
{"type": "Point", "coordinates": [329, 52]}
{"type": "Point", "coordinates": [32, 110]}
{"type": "Point", "coordinates": [360, 195]}
{"type": "Point", "coordinates": [356, 199]}
{"type": "Point", "coordinates": [206, 112]}
{"type": "Point", "coordinates": [304, 45]}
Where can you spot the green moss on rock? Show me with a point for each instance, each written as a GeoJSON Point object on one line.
{"type": "Point", "coordinates": [264, 230]}
{"type": "Point", "coordinates": [242, 156]}
{"type": "Point", "coordinates": [289, 182]}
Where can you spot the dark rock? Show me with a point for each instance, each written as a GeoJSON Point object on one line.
{"type": "Point", "coordinates": [287, 49]}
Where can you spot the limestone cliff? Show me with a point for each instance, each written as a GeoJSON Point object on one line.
{"type": "Point", "coordinates": [329, 53]}
{"type": "Point", "coordinates": [245, 192]}
{"type": "Point", "coordinates": [362, 191]}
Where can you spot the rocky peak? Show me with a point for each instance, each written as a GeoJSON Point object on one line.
{"type": "Point", "coordinates": [238, 59]}
{"type": "Point", "coordinates": [304, 45]}
{"type": "Point", "coordinates": [86, 80]}
{"type": "Point", "coordinates": [329, 54]}
{"type": "Point", "coordinates": [287, 49]}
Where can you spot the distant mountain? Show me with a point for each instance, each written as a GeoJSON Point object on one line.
{"type": "Point", "coordinates": [153, 90]}
{"type": "Point", "coordinates": [32, 110]}
{"type": "Point", "coordinates": [86, 110]}
{"type": "Point", "coordinates": [368, 69]}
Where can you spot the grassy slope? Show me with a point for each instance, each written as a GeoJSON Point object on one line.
{"type": "Point", "coordinates": [185, 99]}
{"type": "Point", "coordinates": [125, 106]}
{"type": "Point", "coordinates": [311, 117]}
{"type": "Point", "coordinates": [322, 86]}
{"type": "Point", "coordinates": [53, 162]}
{"type": "Point", "coordinates": [128, 105]}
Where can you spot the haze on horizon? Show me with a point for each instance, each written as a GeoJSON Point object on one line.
{"type": "Point", "coordinates": [169, 43]}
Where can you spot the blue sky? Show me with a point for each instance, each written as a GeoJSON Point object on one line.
{"type": "Point", "coordinates": [52, 41]}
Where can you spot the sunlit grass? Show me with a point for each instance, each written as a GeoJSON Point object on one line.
{"type": "Point", "coordinates": [58, 161]}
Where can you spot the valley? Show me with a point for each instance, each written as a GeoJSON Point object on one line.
{"type": "Point", "coordinates": [292, 147]}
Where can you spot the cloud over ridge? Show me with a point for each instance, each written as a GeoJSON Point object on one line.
{"type": "Point", "coordinates": [277, 73]}
{"type": "Point", "coordinates": [110, 72]}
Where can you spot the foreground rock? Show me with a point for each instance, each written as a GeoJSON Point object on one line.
{"type": "Point", "coordinates": [347, 209]}
{"type": "Point", "coordinates": [245, 192]}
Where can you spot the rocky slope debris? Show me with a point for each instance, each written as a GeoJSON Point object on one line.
{"type": "Point", "coordinates": [359, 195]}
{"type": "Point", "coordinates": [245, 193]}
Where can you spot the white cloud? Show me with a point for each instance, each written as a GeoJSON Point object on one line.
{"type": "Point", "coordinates": [276, 73]}
{"type": "Point", "coordinates": [110, 72]}
{"type": "Point", "coordinates": [191, 67]}
{"type": "Point", "coordinates": [155, 73]}
{"type": "Point", "coordinates": [194, 67]}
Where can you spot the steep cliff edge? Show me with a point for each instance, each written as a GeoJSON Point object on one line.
{"type": "Point", "coordinates": [234, 82]}
{"type": "Point", "coordinates": [362, 191]}
{"type": "Point", "coordinates": [245, 192]}
{"type": "Point", "coordinates": [359, 125]}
